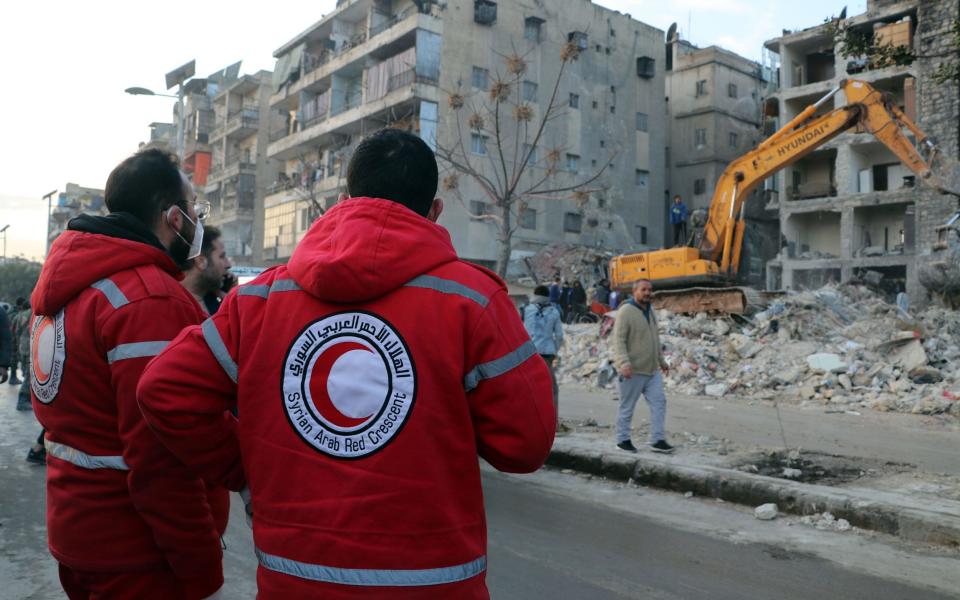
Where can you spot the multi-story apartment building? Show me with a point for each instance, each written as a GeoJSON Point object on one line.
{"type": "Point", "coordinates": [239, 171]}
{"type": "Point", "coordinates": [851, 206]}
{"type": "Point", "coordinates": [377, 63]}
{"type": "Point", "coordinates": [714, 102]}
{"type": "Point", "coordinates": [163, 136]}
{"type": "Point", "coordinates": [75, 200]}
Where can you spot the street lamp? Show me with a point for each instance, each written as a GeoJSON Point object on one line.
{"type": "Point", "coordinates": [140, 91]}
{"type": "Point", "coordinates": [49, 199]}
{"type": "Point", "coordinates": [176, 77]}
{"type": "Point", "coordinates": [4, 232]}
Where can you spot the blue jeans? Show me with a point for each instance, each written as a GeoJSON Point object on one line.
{"type": "Point", "coordinates": [651, 386]}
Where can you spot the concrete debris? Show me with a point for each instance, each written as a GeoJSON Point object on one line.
{"type": "Point", "coordinates": [792, 473]}
{"type": "Point", "coordinates": [825, 362]}
{"type": "Point", "coordinates": [826, 521]}
{"type": "Point", "coordinates": [843, 347]}
{"type": "Point", "coordinates": [765, 512]}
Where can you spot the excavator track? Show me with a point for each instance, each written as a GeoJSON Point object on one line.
{"type": "Point", "coordinates": [722, 300]}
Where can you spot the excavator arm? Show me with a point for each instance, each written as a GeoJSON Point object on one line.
{"type": "Point", "coordinates": [717, 258]}
{"type": "Point", "coordinates": [722, 240]}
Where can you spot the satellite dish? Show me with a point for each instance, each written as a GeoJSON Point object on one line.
{"type": "Point", "coordinates": [671, 32]}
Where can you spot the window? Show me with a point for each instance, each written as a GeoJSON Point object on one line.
{"type": "Point", "coordinates": [574, 101]}
{"type": "Point", "coordinates": [480, 78]}
{"type": "Point", "coordinates": [599, 47]}
{"type": "Point", "coordinates": [732, 90]}
{"type": "Point", "coordinates": [700, 138]}
{"type": "Point", "coordinates": [573, 162]}
{"type": "Point", "coordinates": [428, 123]}
{"type": "Point", "coordinates": [478, 144]}
{"type": "Point", "coordinates": [528, 218]}
{"type": "Point", "coordinates": [646, 67]}
{"type": "Point", "coordinates": [484, 12]}
{"type": "Point", "coordinates": [478, 208]}
{"type": "Point", "coordinates": [603, 144]}
{"type": "Point", "coordinates": [572, 222]}
{"type": "Point", "coordinates": [579, 39]}
{"type": "Point", "coordinates": [701, 88]}
{"type": "Point", "coordinates": [531, 29]}
{"type": "Point", "coordinates": [641, 177]}
{"type": "Point", "coordinates": [529, 91]}
{"type": "Point", "coordinates": [734, 139]}
{"type": "Point", "coordinates": [613, 89]}
{"type": "Point", "coordinates": [643, 234]}
{"type": "Point", "coordinates": [699, 186]}
{"type": "Point", "coordinates": [304, 218]}
{"type": "Point", "coordinates": [642, 122]}
{"type": "Point", "coordinates": [613, 33]}
{"type": "Point", "coordinates": [613, 109]}
{"type": "Point", "coordinates": [534, 155]}
{"type": "Point", "coordinates": [595, 104]}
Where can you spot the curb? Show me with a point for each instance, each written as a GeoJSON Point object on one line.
{"type": "Point", "coordinates": [896, 514]}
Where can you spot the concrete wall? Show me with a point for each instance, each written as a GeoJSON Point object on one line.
{"type": "Point", "coordinates": [607, 77]}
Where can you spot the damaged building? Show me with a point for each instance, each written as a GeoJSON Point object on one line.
{"type": "Point", "coordinates": [377, 63]}
{"type": "Point", "coordinates": [850, 209]}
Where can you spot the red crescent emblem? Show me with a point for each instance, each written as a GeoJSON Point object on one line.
{"type": "Point", "coordinates": [318, 385]}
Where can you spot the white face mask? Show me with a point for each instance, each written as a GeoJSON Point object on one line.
{"type": "Point", "coordinates": [197, 242]}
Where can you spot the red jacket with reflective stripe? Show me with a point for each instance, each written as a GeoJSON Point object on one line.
{"type": "Point", "coordinates": [369, 374]}
{"type": "Point", "coordinates": [105, 307]}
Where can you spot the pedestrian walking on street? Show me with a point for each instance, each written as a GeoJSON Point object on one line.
{"type": "Point", "coordinates": [20, 307]}
{"type": "Point", "coordinates": [639, 359]}
{"type": "Point", "coordinates": [6, 346]}
{"type": "Point", "coordinates": [21, 346]}
{"type": "Point", "coordinates": [542, 321]}
{"type": "Point", "coordinates": [370, 372]}
{"type": "Point", "coordinates": [125, 518]}
{"type": "Point", "coordinates": [678, 219]}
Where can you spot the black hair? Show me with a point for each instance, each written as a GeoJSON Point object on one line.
{"type": "Point", "coordinates": [394, 165]}
{"type": "Point", "coordinates": [541, 290]}
{"type": "Point", "coordinates": [145, 185]}
{"type": "Point", "coordinates": [211, 233]}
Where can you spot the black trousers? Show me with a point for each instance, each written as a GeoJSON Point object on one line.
{"type": "Point", "coordinates": [679, 234]}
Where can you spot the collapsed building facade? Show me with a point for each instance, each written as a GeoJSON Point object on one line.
{"type": "Point", "coordinates": [850, 209]}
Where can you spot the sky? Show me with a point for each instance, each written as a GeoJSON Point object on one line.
{"type": "Point", "coordinates": [65, 65]}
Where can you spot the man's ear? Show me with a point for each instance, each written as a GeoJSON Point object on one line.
{"type": "Point", "coordinates": [343, 196]}
{"type": "Point", "coordinates": [435, 210]}
{"type": "Point", "coordinates": [201, 262]}
{"type": "Point", "coordinates": [173, 218]}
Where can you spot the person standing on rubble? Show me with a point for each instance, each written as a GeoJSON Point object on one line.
{"type": "Point", "coordinates": [639, 359]}
{"type": "Point", "coordinates": [678, 219]}
{"type": "Point", "coordinates": [541, 318]}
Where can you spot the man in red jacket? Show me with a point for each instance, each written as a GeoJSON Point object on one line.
{"type": "Point", "coordinates": [369, 373]}
{"type": "Point", "coordinates": [125, 518]}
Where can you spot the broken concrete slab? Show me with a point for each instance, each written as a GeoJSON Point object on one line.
{"type": "Point", "coordinates": [766, 512]}
{"type": "Point", "coordinates": [826, 362]}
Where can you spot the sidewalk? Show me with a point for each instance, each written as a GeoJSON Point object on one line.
{"type": "Point", "coordinates": [894, 473]}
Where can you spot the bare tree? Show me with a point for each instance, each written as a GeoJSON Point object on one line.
{"type": "Point", "coordinates": [511, 129]}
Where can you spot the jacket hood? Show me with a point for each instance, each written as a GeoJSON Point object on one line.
{"type": "Point", "coordinates": [365, 247]}
{"type": "Point", "coordinates": [91, 249]}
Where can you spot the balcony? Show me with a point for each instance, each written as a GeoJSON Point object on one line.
{"type": "Point", "coordinates": [316, 67]}
{"type": "Point", "coordinates": [287, 146]}
{"type": "Point", "coordinates": [238, 125]}
{"type": "Point", "coordinates": [234, 163]}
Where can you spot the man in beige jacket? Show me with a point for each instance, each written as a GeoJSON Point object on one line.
{"type": "Point", "coordinates": [639, 359]}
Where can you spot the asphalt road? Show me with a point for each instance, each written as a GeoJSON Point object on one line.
{"type": "Point", "coordinates": [552, 536]}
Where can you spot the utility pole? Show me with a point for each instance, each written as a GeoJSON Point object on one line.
{"type": "Point", "coordinates": [49, 199]}
{"type": "Point", "coordinates": [4, 232]}
{"type": "Point", "coordinates": [177, 77]}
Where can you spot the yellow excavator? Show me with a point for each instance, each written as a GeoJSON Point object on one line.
{"type": "Point", "coordinates": [691, 279]}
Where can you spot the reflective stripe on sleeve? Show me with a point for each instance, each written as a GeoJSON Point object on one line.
{"type": "Point", "coordinates": [262, 291]}
{"type": "Point", "coordinates": [82, 459]}
{"type": "Point", "coordinates": [498, 367]}
{"type": "Point", "coordinates": [219, 349]}
{"type": "Point", "coordinates": [448, 286]}
{"type": "Point", "coordinates": [135, 350]}
{"type": "Point", "coordinates": [372, 577]}
{"type": "Point", "coordinates": [112, 292]}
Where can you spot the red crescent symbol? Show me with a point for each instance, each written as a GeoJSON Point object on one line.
{"type": "Point", "coordinates": [40, 370]}
{"type": "Point", "coordinates": [318, 385]}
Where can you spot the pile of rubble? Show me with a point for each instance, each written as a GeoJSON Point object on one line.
{"type": "Point", "coordinates": [841, 346]}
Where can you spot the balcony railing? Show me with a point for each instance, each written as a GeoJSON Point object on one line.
{"type": "Point", "coordinates": [311, 62]}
